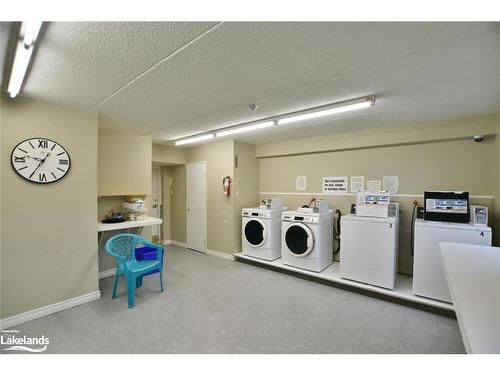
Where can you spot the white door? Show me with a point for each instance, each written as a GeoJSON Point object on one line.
{"type": "Point", "coordinates": [197, 206]}
{"type": "Point", "coordinates": [156, 200]}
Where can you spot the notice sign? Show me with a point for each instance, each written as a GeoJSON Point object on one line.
{"type": "Point", "coordinates": [335, 185]}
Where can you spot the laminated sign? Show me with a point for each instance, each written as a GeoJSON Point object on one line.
{"type": "Point", "coordinates": [335, 185]}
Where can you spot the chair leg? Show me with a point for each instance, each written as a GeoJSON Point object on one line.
{"type": "Point", "coordinates": [138, 282]}
{"type": "Point", "coordinates": [161, 279]}
{"type": "Point", "coordinates": [115, 285]}
{"type": "Point", "coordinates": [130, 289]}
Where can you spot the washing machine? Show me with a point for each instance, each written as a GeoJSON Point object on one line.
{"type": "Point", "coordinates": [261, 232]}
{"type": "Point", "coordinates": [307, 239]}
{"type": "Point", "coordinates": [429, 279]}
{"type": "Point", "coordinates": [369, 252]}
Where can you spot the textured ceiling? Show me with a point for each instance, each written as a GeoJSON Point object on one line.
{"type": "Point", "coordinates": [175, 79]}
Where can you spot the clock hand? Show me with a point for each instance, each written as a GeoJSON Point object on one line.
{"type": "Point", "coordinates": [39, 165]}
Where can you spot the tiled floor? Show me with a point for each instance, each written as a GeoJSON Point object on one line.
{"type": "Point", "coordinates": [211, 305]}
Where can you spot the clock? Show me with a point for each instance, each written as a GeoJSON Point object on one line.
{"type": "Point", "coordinates": [40, 160]}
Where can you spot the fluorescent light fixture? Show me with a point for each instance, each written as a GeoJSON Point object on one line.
{"type": "Point", "coordinates": [367, 102]}
{"type": "Point", "coordinates": [22, 56]}
{"type": "Point", "coordinates": [307, 114]}
{"type": "Point", "coordinates": [243, 129]}
{"type": "Point", "coordinates": [194, 139]}
{"type": "Point", "coordinates": [30, 32]}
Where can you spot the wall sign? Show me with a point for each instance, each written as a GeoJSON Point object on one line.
{"type": "Point", "coordinates": [301, 183]}
{"type": "Point", "coordinates": [391, 184]}
{"type": "Point", "coordinates": [357, 183]}
{"type": "Point", "coordinates": [374, 185]}
{"type": "Point", "coordinates": [335, 185]}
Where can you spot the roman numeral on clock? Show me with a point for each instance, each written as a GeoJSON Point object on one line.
{"type": "Point", "coordinates": [43, 143]}
{"type": "Point", "coordinates": [19, 159]}
{"type": "Point", "coordinates": [42, 177]}
{"type": "Point", "coordinates": [63, 161]}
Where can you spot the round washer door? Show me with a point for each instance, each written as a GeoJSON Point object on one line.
{"type": "Point", "coordinates": [299, 239]}
{"type": "Point", "coordinates": [255, 232]}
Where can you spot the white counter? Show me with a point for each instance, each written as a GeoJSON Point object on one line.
{"type": "Point", "coordinates": [101, 227]}
{"type": "Point", "coordinates": [473, 275]}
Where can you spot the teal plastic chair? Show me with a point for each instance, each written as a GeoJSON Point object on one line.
{"type": "Point", "coordinates": [122, 247]}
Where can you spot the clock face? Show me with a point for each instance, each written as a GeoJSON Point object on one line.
{"type": "Point", "coordinates": [40, 160]}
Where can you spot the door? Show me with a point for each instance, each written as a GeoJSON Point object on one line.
{"type": "Point", "coordinates": [255, 232]}
{"type": "Point", "coordinates": [299, 239]}
{"type": "Point", "coordinates": [196, 226]}
{"type": "Point", "coordinates": [156, 204]}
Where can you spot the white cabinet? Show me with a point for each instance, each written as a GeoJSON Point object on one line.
{"type": "Point", "coordinates": [428, 274]}
{"type": "Point", "coordinates": [369, 250]}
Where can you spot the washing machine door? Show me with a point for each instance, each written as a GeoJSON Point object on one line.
{"type": "Point", "coordinates": [299, 239]}
{"type": "Point", "coordinates": [255, 232]}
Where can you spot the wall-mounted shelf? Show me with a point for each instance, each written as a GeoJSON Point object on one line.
{"type": "Point", "coordinates": [101, 227]}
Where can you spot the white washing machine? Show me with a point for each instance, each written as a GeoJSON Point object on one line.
{"type": "Point", "coordinates": [261, 233]}
{"type": "Point", "coordinates": [307, 240]}
{"type": "Point", "coordinates": [369, 249]}
{"type": "Point", "coordinates": [429, 279]}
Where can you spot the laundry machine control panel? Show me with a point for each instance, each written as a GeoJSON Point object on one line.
{"type": "Point", "coordinates": [305, 219]}
{"type": "Point", "coordinates": [261, 215]}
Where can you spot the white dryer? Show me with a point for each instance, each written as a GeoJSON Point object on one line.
{"type": "Point", "coordinates": [261, 233]}
{"type": "Point", "coordinates": [307, 240]}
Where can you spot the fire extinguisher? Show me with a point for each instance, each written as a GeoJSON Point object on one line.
{"type": "Point", "coordinates": [226, 185]}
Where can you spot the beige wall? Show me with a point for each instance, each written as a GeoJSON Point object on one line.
{"type": "Point", "coordinates": [245, 186]}
{"type": "Point", "coordinates": [124, 163]}
{"type": "Point", "coordinates": [168, 155]}
{"type": "Point", "coordinates": [428, 132]}
{"type": "Point", "coordinates": [178, 203]}
{"type": "Point", "coordinates": [49, 239]}
{"type": "Point", "coordinates": [220, 218]}
{"type": "Point", "coordinates": [457, 164]}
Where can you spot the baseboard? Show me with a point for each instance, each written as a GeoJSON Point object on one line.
{"type": "Point", "coordinates": [107, 273]}
{"type": "Point", "coordinates": [220, 254]}
{"type": "Point", "coordinates": [15, 320]}
{"type": "Point", "coordinates": [174, 242]}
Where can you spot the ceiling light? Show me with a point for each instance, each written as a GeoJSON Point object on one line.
{"type": "Point", "coordinates": [248, 128]}
{"type": "Point", "coordinates": [30, 32]}
{"type": "Point", "coordinates": [307, 114]}
{"type": "Point", "coordinates": [22, 57]}
{"type": "Point", "coordinates": [344, 107]}
{"type": "Point", "coordinates": [194, 139]}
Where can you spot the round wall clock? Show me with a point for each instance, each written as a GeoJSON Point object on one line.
{"type": "Point", "coordinates": [40, 160]}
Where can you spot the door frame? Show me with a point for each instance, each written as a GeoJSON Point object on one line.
{"type": "Point", "coordinates": [156, 170]}
{"type": "Point", "coordinates": [205, 240]}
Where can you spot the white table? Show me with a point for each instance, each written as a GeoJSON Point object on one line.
{"type": "Point", "coordinates": [473, 275]}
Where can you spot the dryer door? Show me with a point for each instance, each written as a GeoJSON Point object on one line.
{"type": "Point", "coordinates": [299, 239]}
{"type": "Point", "coordinates": [255, 232]}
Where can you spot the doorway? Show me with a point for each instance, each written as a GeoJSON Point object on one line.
{"type": "Point", "coordinates": [196, 226]}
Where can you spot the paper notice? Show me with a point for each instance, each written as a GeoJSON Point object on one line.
{"type": "Point", "coordinates": [391, 184]}
{"type": "Point", "coordinates": [301, 183]}
{"type": "Point", "coordinates": [374, 185]}
{"type": "Point", "coordinates": [335, 185]}
{"type": "Point", "coordinates": [357, 183]}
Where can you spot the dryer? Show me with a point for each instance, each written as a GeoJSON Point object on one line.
{"type": "Point", "coordinates": [261, 233]}
{"type": "Point", "coordinates": [307, 240]}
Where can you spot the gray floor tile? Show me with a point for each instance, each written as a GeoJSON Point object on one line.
{"type": "Point", "coordinates": [212, 305]}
